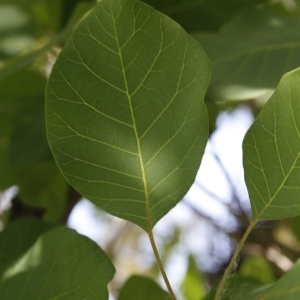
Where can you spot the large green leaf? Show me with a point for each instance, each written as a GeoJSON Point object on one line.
{"type": "Point", "coordinates": [125, 114]}
{"type": "Point", "coordinates": [62, 265]}
{"type": "Point", "coordinates": [251, 53]}
{"type": "Point", "coordinates": [272, 154]}
{"type": "Point", "coordinates": [142, 288]}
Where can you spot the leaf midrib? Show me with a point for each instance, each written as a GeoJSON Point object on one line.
{"type": "Point", "coordinates": [148, 215]}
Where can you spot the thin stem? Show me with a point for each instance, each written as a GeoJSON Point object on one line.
{"type": "Point", "coordinates": [160, 264]}
{"type": "Point", "coordinates": [228, 271]}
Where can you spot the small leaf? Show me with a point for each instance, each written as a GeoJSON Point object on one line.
{"type": "Point", "coordinates": [272, 154]}
{"type": "Point", "coordinates": [124, 109]}
{"type": "Point", "coordinates": [193, 285]}
{"type": "Point", "coordinates": [142, 288]}
{"type": "Point", "coordinates": [62, 264]}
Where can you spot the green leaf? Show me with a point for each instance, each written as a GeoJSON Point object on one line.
{"type": "Point", "coordinates": [201, 15]}
{"type": "Point", "coordinates": [251, 53]}
{"type": "Point", "coordinates": [29, 143]}
{"type": "Point", "coordinates": [62, 265]}
{"type": "Point", "coordinates": [272, 154]}
{"type": "Point", "coordinates": [286, 288]}
{"type": "Point", "coordinates": [21, 99]}
{"type": "Point", "coordinates": [124, 109]}
{"type": "Point", "coordinates": [44, 186]}
{"type": "Point", "coordinates": [257, 267]}
{"type": "Point", "coordinates": [19, 236]}
{"type": "Point", "coordinates": [240, 288]}
{"type": "Point", "coordinates": [193, 285]}
{"type": "Point", "coordinates": [142, 288]}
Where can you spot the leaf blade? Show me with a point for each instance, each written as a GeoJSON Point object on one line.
{"type": "Point", "coordinates": [251, 53]}
{"type": "Point", "coordinates": [147, 102]}
{"type": "Point", "coordinates": [58, 265]}
{"type": "Point", "coordinates": [272, 152]}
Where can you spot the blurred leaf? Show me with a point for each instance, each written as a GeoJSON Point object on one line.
{"type": "Point", "coordinates": [142, 288]}
{"type": "Point", "coordinates": [21, 98]}
{"type": "Point", "coordinates": [201, 14]}
{"type": "Point", "coordinates": [44, 186]}
{"type": "Point", "coordinates": [251, 52]}
{"type": "Point", "coordinates": [257, 267]}
{"type": "Point", "coordinates": [125, 116]}
{"type": "Point", "coordinates": [272, 154]}
{"type": "Point", "coordinates": [59, 267]}
{"type": "Point", "coordinates": [29, 144]}
{"type": "Point", "coordinates": [16, 32]}
{"type": "Point", "coordinates": [295, 226]}
{"type": "Point", "coordinates": [286, 288]}
{"type": "Point", "coordinates": [193, 286]}
{"type": "Point", "coordinates": [47, 15]}
{"type": "Point", "coordinates": [19, 236]}
{"type": "Point", "coordinates": [6, 172]}
{"type": "Point", "coordinates": [240, 288]}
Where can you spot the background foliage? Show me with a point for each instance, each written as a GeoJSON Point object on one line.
{"type": "Point", "coordinates": [250, 45]}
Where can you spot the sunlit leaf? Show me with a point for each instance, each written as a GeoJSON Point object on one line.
{"type": "Point", "coordinates": [125, 114]}
{"type": "Point", "coordinates": [272, 154]}
{"type": "Point", "coordinates": [142, 288]}
{"type": "Point", "coordinates": [251, 53]}
{"type": "Point", "coordinates": [62, 265]}
{"type": "Point", "coordinates": [257, 267]}
{"type": "Point", "coordinates": [193, 285]}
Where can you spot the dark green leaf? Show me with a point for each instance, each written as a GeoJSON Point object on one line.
{"type": "Point", "coordinates": [201, 15]}
{"type": "Point", "coordinates": [240, 288]}
{"type": "Point", "coordinates": [19, 236]}
{"type": "Point", "coordinates": [125, 114]}
{"type": "Point", "coordinates": [29, 143]}
{"type": "Point", "coordinates": [272, 154]}
{"type": "Point", "coordinates": [251, 53]}
{"type": "Point", "coordinates": [62, 265]}
{"type": "Point", "coordinates": [142, 288]}
{"type": "Point", "coordinates": [43, 185]}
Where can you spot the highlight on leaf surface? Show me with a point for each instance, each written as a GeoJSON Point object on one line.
{"type": "Point", "coordinates": [125, 115]}
{"type": "Point", "coordinates": [61, 263]}
{"type": "Point", "coordinates": [272, 153]}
